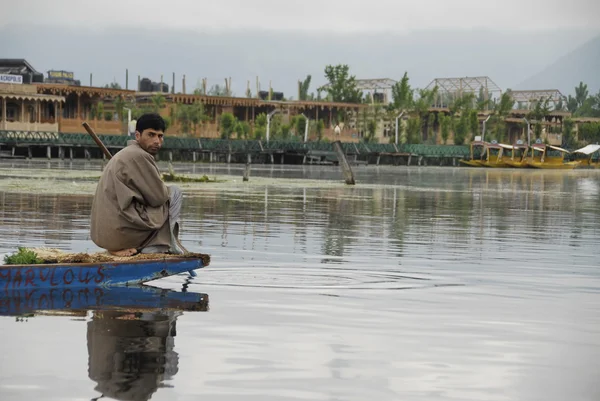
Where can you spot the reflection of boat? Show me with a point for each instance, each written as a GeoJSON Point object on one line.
{"type": "Point", "coordinates": [105, 272]}
{"type": "Point", "coordinates": [130, 334]}
{"type": "Point", "coordinates": [589, 151]}
{"type": "Point", "coordinates": [77, 301]}
{"type": "Point", "coordinates": [552, 157]}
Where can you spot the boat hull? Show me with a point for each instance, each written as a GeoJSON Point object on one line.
{"type": "Point", "coordinates": [103, 274]}
{"type": "Point", "coordinates": [471, 163]}
{"type": "Point", "coordinates": [494, 164]}
{"type": "Point", "coordinates": [553, 166]}
{"type": "Point", "coordinates": [516, 163]}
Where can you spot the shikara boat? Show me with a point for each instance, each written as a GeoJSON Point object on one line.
{"type": "Point", "coordinates": [492, 155]}
{"type": "Point", "coordinates": [473, 161]}
{"type": "Point", "coordinates": [98, 270]}
{"type": "Point", "coordinates": [552, 157]}
{"type": "Point", "coordinates": [589, 152]}
{"type": "Point", "coordinates": [513, 155]}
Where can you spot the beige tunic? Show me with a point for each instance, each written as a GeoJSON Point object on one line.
{"type": "Point", "coordinates": [131, 202]}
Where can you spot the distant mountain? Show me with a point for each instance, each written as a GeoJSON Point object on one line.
{"type": "Point", "coordinates": [582, 64]}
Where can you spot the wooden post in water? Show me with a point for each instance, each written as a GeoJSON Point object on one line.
{"type": "Point", "coordinates": [246, 176]}
{"type": "Point", "coordinates": [348, 174]}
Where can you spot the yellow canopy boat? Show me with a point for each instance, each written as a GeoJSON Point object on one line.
{"type": "Point", "coordinates": [552, 157]}
{"type": "Point", "coordinates": [513, 155]}
{"type": "Point", "coordinates": [589, 151]}
{"type": "Point", "coordinates": [528, 154]}
{"type": "Point", "coordinates": [472, 161]}
{"type": "Point", "coordinates": [492, 155]}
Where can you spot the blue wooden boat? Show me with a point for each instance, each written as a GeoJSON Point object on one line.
{"type": "Point", "coordinates": [100, 274]}
{"type": "Point", "coordinates": [77, 301]}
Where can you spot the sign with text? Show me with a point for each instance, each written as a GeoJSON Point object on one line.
{"type": "Point", "coordinates": [60, 74]}
{"type": "Point", "coordinates": [10, 79]}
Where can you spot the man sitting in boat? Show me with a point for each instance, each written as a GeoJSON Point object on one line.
{"type": "Point", "coordinates": [133, 210]}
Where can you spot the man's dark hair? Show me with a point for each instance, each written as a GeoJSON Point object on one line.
{"type": "Point", "coordinates": [150, 121]}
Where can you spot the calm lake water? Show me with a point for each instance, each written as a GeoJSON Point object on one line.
{"type": "Point", "coordinates": [416, 284]}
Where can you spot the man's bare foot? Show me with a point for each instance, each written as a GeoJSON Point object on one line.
{"type": "Point", "coordinates": [124, 252]}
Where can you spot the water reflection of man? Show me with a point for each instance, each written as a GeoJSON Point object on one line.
{"type": "Point", "coordinates": [131, 354]}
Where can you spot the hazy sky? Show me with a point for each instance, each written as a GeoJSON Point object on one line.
{"type": "Point", "coordinates": [332, 15]}
{"type": "Point", "coordinates": [281, 41]}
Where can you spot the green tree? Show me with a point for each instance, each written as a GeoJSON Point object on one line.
{"type": "Point", "coordinates": [320, 128]}
{"type": "Point", "coordinates": [444, 122]}
{"type": "Point", "coordinates": [227, 123]}
{"type": "Point", "coordinates": [300, 124]}
{"type": "Point", "coordinates": [462, 104]}
{"type": "Point", "coordinates": [304, 86]}
{"type": "Point", "coordinates": [260, 126]}
{"type": "Point", "coordinates": [184, 117]}
{"type": "Point", "coordinates": [158, 102]}
{"type": "Point", "coordinates": [190, 116]}
{"type": "Point", "coordinates": [473, 123]}
{"type": "Point", "coordinates": [413, 130]}
{"type": "Point", "coordinates": [113, 85]}
{"type": "Point", "coordinates": [370, 133]}
{"type": "Point", "coordinates": [421, 106]}
{"type": "Point", "coordinates": [537, 129]}
{"type": "Point", "coordinates": [590, 132]}
{"type": "Point", "coordinates": [342, 85]}
{"type": "Point", "coordinates": [461, 128]}
{"type": "Point", "coordinates": [497, 120]}
{"type": "Point", "coordinates": [242, 130]}
{"type": "Point", "coordinates": [430, 126]}
{"type": "Point", "coordinates": [119, 104]}
{"type": "Point", "coordinates": [100, 110]}
{"type": "Point", "coordinates": [402, 94]}
{"type": "Point", "coordinates": [590, 107]}
{"type": "Point", "coordinates": [571, 104]}
{"type": "Point", "coordinates": [217, 90]}
{"type": "Point", "coordinates": [482, 102]}
{"type": "Point", "coordinates": [581, 93]}
{"type": "Point", "coordinates": [568, 137]}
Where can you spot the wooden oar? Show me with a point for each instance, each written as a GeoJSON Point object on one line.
{"type": "Point", "coordinates": [97, 140]}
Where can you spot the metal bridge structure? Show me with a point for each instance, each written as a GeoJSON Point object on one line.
{"type": "Point", "coordinates": [450, 89]}
{"type": "Point", "coordinates": [235, 150]}
{"type": "Point", "coordinates": [379, 87]}
{"type": "Point", "coordinates": [527, 99]}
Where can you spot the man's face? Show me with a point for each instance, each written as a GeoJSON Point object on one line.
{"type": "Point", "coordinates": [150, 140]}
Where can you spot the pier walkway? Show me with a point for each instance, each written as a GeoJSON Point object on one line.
{"type": "Point", "coordinates": [25, 144]}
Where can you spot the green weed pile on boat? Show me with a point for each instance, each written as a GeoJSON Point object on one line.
{"type": "Point", "coordinates": [26, 256]}
{"type": "Point", "coordinates": [23, 256]}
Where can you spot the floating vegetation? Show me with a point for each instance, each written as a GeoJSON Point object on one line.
{"type": "Point", "coordinates": [24, 256]}
{"type": "Point", "coordinates": [169, 177]}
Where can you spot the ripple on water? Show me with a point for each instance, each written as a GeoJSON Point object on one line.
{"type": "Point", "coordinates": [316, 278]}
